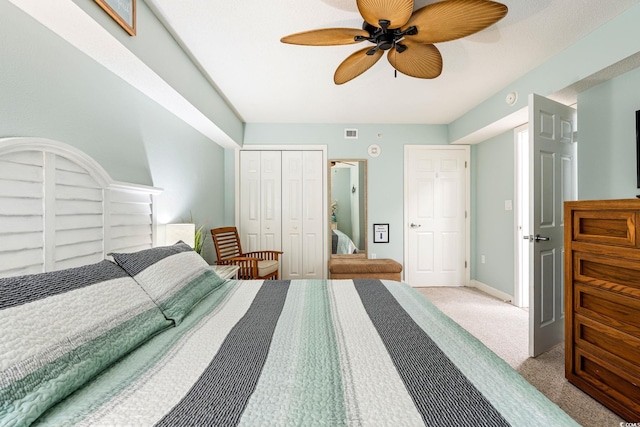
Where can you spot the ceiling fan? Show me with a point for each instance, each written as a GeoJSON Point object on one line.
{"type": "Point", "coordinates": [408, 36]}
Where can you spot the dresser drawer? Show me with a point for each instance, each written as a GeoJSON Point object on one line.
{"type": "Point", "coordinates": [620, 348]}
{"type": "Point", "coordinates": [608, 273]}
{"type": "Point", "coordinates": [595, 376]}
{"type": "Point", "coordinates": [616, 227]}
{"type": "Point", "coordinates": [613, 309]}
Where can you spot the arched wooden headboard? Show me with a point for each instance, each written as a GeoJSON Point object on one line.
{"type": "Point", "coordinates": [59, 209]}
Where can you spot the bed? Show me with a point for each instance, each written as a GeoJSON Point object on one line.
{"type": "Point", "coordinates": [177, 345]}
{"type": "Point", "coordinates": [155, 337]}
{"type": "Point", "coordinates": [342, 244]}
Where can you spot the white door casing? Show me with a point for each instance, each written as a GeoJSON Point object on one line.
{"type": "Point", "coordinates": [436, 220]}
{"type": "Point", "coordinates": [554, 180]}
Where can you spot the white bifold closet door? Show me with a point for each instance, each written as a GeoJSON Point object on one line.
{"type": "Point", "coordinates": [260, 200]}
{"type": "Point", "coordinates": [302, 219]}
{"type": "Point", "coordinates": [281, 208]}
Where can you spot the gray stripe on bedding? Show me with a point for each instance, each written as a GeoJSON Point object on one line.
{"type": "Point", "coordinates": [442, 394]}
{"type": "Point", "coordinates": [223, 390]}
{"type": "Point", "coordinates": [136, 262]}
{"type": "Point", "coordinates": [44, 285]}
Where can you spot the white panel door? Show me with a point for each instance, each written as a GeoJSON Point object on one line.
{"type": "Point", "coordinates": [302, 215]}
{"type": "Point", "coordinates": [270, 201]}
{"type": "Point", "coordinates": [554, 173]}
{"type": "Point", "coordinates": [436, 203]}
{"type": "Point", "coordinates": [313, 239]}
{"type": "Point", "coordinates": [260, 200]}
{"type": "Point", "coordinates": [250, 200]}
{"type": "Point", "coordinates": [292, 209]}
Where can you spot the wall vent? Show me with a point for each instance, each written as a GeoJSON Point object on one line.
{"type": "Point", "coordinates": [351, 134]}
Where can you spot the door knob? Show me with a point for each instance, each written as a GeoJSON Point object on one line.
{"type": "Point", "coordinates": [412, 225]}
{"type": "Point", "coordinates": [536, 238]}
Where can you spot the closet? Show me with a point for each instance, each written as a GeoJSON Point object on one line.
{"type": "Point", "coordinates": [281, 207]}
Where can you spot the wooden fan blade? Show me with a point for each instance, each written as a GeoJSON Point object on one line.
{"type": "Point", "coordinates": [355, 64]}
{"type": "Point", "coordinates": [397, 12]}
{"type": "Point", "coordinates": [325, 37]}
{"type": "Point", "coordinates": [418, 60]}
{"type": "Point", "coordinates": [453, 19]}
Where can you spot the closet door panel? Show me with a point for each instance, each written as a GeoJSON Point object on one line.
{"type": "Point", "coordinates": [312, 215]}
{"type": "Point", "coordinates": [250, 200]}
{"type": "Point", "coordinates": [292, 209]}
{"type": "Point", "coordinates": [271, 201]}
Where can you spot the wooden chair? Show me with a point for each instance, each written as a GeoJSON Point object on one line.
{"type": "Point", "coordinates": [253, 265]}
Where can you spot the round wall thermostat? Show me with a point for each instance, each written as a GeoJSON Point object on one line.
{"type": "Point", "coordinates": [374, 150]}
{"type": "Point", "coordinates": [512, 97]}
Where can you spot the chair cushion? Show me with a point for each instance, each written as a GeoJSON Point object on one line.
{"type": "Point", "coordinates": [266, 267]}
{"type": "Point", "coordinates": [175, 277]}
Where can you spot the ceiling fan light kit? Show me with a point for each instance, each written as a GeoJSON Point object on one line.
{"type": "Point", "coordinates": [406, 35]}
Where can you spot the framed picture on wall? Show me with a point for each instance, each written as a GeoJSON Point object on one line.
{"type": "Point", "coordinates": [122, 11]}
{"type": "Point", "coordinates": [380, 233]}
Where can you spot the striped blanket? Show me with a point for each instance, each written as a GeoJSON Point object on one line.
{"type": "Point", "coordinates": [304, 352]}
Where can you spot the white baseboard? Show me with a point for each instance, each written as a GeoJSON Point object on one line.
{"type": "Point", "coordinates": [491, 291]}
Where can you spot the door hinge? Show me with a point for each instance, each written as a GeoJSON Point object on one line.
{"type": "Point", "coordinates": [465, 264]}
{"type": "Point", "coordinates": [465, 164]}
{"type": "Point", "coordinates": [465, 214]}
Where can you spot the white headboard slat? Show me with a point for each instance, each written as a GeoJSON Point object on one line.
{"type": "Point", "coordinates": [60, 209]}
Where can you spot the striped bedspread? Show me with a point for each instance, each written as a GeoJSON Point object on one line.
{"type": "Point", "coordinates": [303, 353]}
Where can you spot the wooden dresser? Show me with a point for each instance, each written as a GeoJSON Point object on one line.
{"type": "Point", "coordinates": [602, 302]}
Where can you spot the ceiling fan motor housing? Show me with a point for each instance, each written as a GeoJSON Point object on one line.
{"type": "Point", "coordinates": [385, 38]}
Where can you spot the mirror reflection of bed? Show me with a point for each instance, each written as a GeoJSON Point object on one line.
{"type": "Point", "coordinates": [348, 202]}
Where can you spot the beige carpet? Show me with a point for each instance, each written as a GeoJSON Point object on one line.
{"type": "Point", "coordinates": [504, 329]}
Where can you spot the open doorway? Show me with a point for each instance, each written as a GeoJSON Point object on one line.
{"type": "Point", "coordinates": [522, 200]}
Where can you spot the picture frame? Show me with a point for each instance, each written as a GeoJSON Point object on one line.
{"type": "Point", "coordinates": [122, 11]}
{"type": "Point", "coordinates": [380, 233]}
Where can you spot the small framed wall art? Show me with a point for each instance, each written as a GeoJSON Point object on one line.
{"type": "Point", "coordinates": [380, 233]}
{"type": "Point", "coordinates": [122, 11]}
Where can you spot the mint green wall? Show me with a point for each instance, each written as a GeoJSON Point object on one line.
{"type": "Point", "coordinates": [607, 138]}
{"type": "Point", "coordinates": [49, 89]}
{"type": "Point", "coordinates": [607, 45]}
{"type": "Point", "coordinates": [492, 167]}
{"type": "Point", "coordinates": [156, 47]}
{"type": "Point", "coordinates": [386, 172]}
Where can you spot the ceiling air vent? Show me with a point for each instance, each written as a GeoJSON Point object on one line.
{"type": "Point", "coordinates": [351, 134]}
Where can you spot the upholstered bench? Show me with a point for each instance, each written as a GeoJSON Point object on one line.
{"type": "Point", "coordinates": [363, 268]}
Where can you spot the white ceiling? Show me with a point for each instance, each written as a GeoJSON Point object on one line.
{"type": "Point", "coordinates": [237, 43]}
